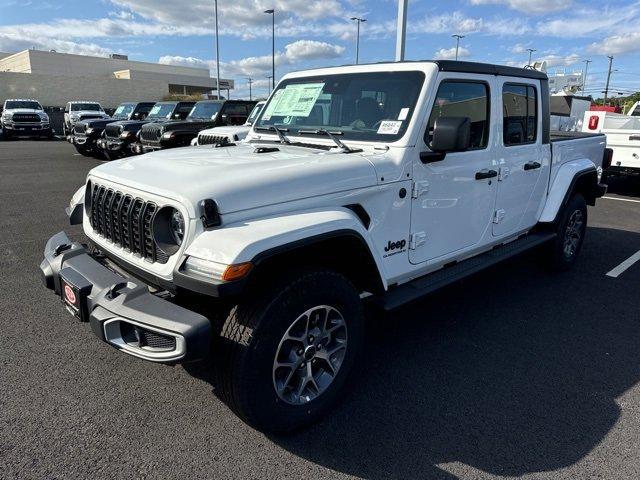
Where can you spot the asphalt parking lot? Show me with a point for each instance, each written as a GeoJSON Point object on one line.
{"type": "Point", "coordinates": [516, 372]}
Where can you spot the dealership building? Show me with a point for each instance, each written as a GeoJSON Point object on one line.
{"type": "Point", "coordinates": [57, 78]}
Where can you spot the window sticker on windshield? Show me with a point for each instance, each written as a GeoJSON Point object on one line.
{"type": "Point", "coordinates": [404, 113]}
{"type": "Point", "coordinates": [294, 101]}
{"type": "Point", "coordinates": [389, 127]}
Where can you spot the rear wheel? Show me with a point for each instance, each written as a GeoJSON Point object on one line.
{"type": "Point", "coordinates": [285, 357]}
{"type": "Point", "coordinates": [570, 228]}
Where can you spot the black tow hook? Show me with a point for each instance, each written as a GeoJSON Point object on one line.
{"type": "Point", "coordinates": [114, 290]}
{"type": "Point", "coordinates": [61, 248]}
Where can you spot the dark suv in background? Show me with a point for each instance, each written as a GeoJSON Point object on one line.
{"type": "Point", "coordinates": [120, 137]}
{"type": "Point", "coordinates": [205, 114]}
{"type": "Point", "coordinates": [86, 134]}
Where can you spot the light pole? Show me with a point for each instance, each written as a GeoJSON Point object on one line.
{"type": "Point", "coordinates": [250, 80]}
{"type": "Point", "coordinates": [606, 89]}
{"type": "Point", "coordinates": [401, 31]}
{"type": "Point", "coordinates": [272, 12]}
{"type": "Point", "coordinates": [530, 50]}
{"type": "Point", "coordinates": [358, 21]}
{"type": "Point", "coordinates": [586, 71]}
{"type": "Point", "coordinates": [457, 37]}
{"type": "Point", "coordinates": [217, 53]}
{"type": "Point", "coordinates": [269, 77]}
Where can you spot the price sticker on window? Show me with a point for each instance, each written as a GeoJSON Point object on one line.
{"type": "Point", "coordinates": [389, 127]}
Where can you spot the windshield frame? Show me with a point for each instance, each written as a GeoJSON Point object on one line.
{"type": "Point", "coordinates": [349, 132]}
{"type": "Point", "coordinates": [251, 119]}
{"type": "Point", "coordinates": [21, 105]}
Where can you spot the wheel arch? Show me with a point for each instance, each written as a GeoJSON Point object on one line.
{"type": "Point", "coordinates": [577, 177]}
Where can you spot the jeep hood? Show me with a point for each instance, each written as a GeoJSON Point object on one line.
{"type": "Point", "coordinates": [237, 178]}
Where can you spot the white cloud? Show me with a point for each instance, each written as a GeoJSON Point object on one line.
{"type": "Point", "coordinates": [450, 53]}
{"type": "Point", "coordinates": [559, 60]}
{"type": "Point", "coordinates": [617, 44]}
{"type": "Point", "coordinates": [296, 52]}
{"type": "Point", "coordinates": [589, 22]}
{"type": "Point", "coordinates": [534, 7]}
{"type": "Point", "coordinates": [10, 42]}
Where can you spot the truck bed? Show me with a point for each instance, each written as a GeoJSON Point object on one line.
{"type": "Point", "coordinates": [557, 136]}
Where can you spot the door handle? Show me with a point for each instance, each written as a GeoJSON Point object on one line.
{"type": "Point", "coordinates": [484, 174]}
{"type": "Point", "coordinates": [532, 165]}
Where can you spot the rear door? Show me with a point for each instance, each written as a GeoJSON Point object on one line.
{"type": "Point", "coordinates": [451, 209]}
{"type": "Point", "coordinates": [523, 160]}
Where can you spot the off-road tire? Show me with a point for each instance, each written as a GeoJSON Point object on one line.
{"type": "Point", "coordinates": [559, 257]}
{"type": "Point", "coordinates": [250, 336]}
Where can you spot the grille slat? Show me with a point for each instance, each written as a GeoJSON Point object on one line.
{"type": "Point", "coordinates": [151, 133]}
{"type": "Point", "coordinates": [126, 221]}
{"type": "Point", "coordinates": [112, 131]}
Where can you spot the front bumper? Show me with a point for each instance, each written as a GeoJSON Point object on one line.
{"type": "Point", "coordinates": [28, 128]}
{"type": "Point", "coordinates": [122, 311]}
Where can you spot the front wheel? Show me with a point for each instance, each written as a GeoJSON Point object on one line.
{"type": "Point", "coordinates": [570, 228]}
{"type": "Point", "coordinates": [286, 357]}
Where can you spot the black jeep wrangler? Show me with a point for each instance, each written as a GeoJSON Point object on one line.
{"type": "Point", "coordinates": [86, 134]}
{"type": "Point", "coordinates": [120, 137]}
{"type": "Point", "coordinates": [205, 114]}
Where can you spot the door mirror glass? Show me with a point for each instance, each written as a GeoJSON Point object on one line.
{"type": "Point", "coordinates": [451, 134]}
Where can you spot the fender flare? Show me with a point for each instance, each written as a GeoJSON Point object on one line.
{"type": "Point", "coordinates": [564, 184]}
{"type": "Point", "coordinates": [260, 240]}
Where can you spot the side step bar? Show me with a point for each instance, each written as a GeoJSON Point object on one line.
{"type": "Point", "coordinates": [422, 286]}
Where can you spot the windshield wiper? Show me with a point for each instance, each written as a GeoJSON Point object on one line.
{"type": "Point", "coordinates": [332, 136]}
{"type": "Point", "coordinates": [279, 132]}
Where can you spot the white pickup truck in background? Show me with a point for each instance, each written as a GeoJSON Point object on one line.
{"type": "Point", "coordinates": [623, 137]}
{"type": "Point", "coordinates": [391, 179]}
{"type": "Point", "coordinates": [228, 133]}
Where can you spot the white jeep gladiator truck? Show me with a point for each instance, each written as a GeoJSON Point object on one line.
{"type": "Point", "coordinates": [623, 137]}
{"type": "Point", "coordinates": [228, 133]}
{"type": "Point", "coordinates": [413, 176]}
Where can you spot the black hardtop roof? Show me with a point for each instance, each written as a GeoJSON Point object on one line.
{"type": "Point", "coordinates": [475, 67]}
{"type": "Point", "coordinates": [226, 101]}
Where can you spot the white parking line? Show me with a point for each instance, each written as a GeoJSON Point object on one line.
{"type": "Point", "coordinates": [622, 199]}
{"type": "Point", "coordinates": [616, 272]}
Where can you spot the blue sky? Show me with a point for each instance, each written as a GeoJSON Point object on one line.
{"type": "Point", "coordinates": [316, 33]}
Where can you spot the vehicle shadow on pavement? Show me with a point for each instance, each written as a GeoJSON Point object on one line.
{"type": "Point", "coordinates": [511, 372]}
{"type": "Point", "coordinates": [624, 186]}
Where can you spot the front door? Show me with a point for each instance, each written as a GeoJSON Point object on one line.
{"type": "Point", "coordinates": [522, 160]}
{"type": "Point", "coordinates": [452, 208]}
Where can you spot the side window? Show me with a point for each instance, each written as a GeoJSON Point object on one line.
{"type": "Point", "coordinates": [458, 98]}
{"type": "Point", "coordinates": [235, 109]}
{"type": "Point", "coordinates": [520, 114]}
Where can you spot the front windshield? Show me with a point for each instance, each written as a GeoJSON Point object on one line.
{"type": "Point", "coordinates": [636, 111]}
{"type": "Point", "coordinates": [124, 110]}
{"type": "Point", "coordinates": [374, 106]}
{"type": "Point", "coordinates": [85, 107]}
{"type": "Point", "coordinates": [205, 110]}
{"type": "Point", "coordinates": [14, 104]}
{"type": "Point", "coordinates": [162, 110]}
{"type": "Point", "coordinates": [254, 113]}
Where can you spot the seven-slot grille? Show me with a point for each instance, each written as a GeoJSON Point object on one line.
{"type": "Point", "coordinates": [208, 139]}
{"type": "Point", "coordinates": [26, 118]}
{"type": "Point", "coordinates": [126, 221]}
{"type": "Point", "coordinates": [112, 131]}
{"type": "Point", "coordinates": [80, 128]}
{"type": "Point", "coordinates": [151, 133]}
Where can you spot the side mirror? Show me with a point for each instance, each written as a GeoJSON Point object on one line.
{"type": "Point", "coordinates": [451, 134]}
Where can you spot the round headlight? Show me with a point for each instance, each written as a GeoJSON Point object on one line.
{"type": "Point", "coordinates": [177, 227]}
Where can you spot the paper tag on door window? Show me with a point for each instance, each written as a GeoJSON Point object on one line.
{"type": "Point", "coordinates": [389, 127]}
{"type": "Point", "coordinates": [404, 113]}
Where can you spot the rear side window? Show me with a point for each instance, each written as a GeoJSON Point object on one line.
{"type": "Point", "coordinates": [520, 114]}
{"type": "Point", "coordinates": [458, 98]}
{"type": "Point", "coordinates": [235, 109]}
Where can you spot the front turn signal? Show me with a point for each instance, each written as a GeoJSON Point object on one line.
{"type": "Point", "coordinates": [236, 272]}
